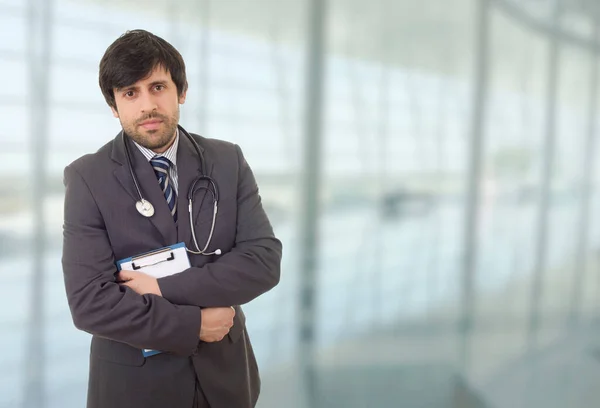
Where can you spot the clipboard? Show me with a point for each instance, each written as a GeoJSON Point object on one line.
{"type": "Point", "coordinates": [158, 263]}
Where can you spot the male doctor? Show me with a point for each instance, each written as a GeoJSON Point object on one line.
{"type": "Point", "coordinates": [194, 316]}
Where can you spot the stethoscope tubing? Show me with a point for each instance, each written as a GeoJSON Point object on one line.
{"type": "Point", "coordinates": [146, 209]}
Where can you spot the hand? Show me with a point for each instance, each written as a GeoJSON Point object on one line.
{"type": "Point", "coordinates": [139, 282]}
{"type": "Point", "coordinates": [216, 322]}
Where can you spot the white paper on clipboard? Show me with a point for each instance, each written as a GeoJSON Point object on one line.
{"type": "Point", "coordinates": [158, 263]}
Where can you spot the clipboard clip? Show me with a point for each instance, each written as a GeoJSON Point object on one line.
{"type": "Point", "coordinates": [136, 267]}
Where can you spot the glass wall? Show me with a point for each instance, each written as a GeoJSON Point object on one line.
{"type": "Point", "coordinates": [443, 251]}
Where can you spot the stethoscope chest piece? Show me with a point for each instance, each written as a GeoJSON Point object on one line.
{"type": "Point", "coordinates": [145, 208]}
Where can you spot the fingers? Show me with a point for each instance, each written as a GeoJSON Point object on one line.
{"type": "Point", "coordinates": [124, 276]}
{"type": "Point", "coordinates": [215, 337]}
{"type": "Point", "coordinates": [230, 322]}
{"type": "Point", "coordinates": [216, 323]}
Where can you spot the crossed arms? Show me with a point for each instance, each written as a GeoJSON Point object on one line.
{"type": "Point", "coordinates": [169, 319]}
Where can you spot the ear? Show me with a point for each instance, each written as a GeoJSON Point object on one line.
{"type": "Point", "coordinates": [114, 111]}
{"type": "Point", "coordinates": [182, 97]}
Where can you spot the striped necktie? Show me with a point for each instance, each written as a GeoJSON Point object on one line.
{"type": "Point", "coordinates": [161, 167]}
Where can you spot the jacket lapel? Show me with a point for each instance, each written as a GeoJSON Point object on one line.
{"type": "Point", "coordinates": [148, 184]}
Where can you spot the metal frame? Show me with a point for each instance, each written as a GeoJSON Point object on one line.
{"type": "Point", "coordinates": [204, 64]}
{"type": "Point", "coordinates": [589, 168]}
{"type": "Point", "coordinates": [476, 144]}
{"type": "Point", "coordinates": [549, 30]}
{"type": "Point", "coordinates": [315, 68]}
{"type": "Point", "coordinates": [39, 51]}
{"type": "Point", "coordinates": [545, 193]}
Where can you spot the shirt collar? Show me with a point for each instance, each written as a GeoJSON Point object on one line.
{"type": "Point", "coordinates": [170, 153]}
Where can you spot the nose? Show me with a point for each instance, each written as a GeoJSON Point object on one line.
{"type": "Point", "coordinates": [147, 103]}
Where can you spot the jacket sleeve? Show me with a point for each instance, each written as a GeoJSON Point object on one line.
{"type": "Point", "coordinates": [98, 304]}
{"type": "Point", "coordinates": [250, 269]}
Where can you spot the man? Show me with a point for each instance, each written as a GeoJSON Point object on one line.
{"type": "Point", "coordinates": [193, 317]}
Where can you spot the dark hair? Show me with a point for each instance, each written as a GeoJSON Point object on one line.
{"type": "Point", "coordinates": [132, 57]}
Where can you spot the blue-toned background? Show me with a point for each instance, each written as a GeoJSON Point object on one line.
{"type": "Point", "coordinates": [429, 166]}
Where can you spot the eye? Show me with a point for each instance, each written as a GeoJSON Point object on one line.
{"type": "Point", "coordinates": [129, 94]}
{"type": "Point", "coordinates": [159, 87]}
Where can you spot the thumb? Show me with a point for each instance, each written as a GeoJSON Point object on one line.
{"type": "Point", "coordinates": [124, 276]}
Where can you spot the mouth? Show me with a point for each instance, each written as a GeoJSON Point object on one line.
{"type": "Point", "coordinates": [151, 124]}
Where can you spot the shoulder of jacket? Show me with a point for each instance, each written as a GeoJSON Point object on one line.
{"type": "Point", "coordinates": [90, 162]}
{"type": "Point", "coordinates": [212, 143]}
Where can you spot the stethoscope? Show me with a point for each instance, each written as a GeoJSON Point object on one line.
{"type": "Point", "coordinates": [145, 207]}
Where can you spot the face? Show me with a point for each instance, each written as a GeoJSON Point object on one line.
{"type": "Point", "coordinates": [149, 110]}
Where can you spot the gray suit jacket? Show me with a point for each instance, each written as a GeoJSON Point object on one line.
{"type": "Point", "coordinates": [101, 225]}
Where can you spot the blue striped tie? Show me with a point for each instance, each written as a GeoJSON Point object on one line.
{"type": "Point", "coordinates": [161, 167]}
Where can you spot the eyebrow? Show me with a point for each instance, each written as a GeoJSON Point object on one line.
{"type": "Point", "coordinates": [135, 87]}
{"type": "Point", "coordinates": [159, 82]}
